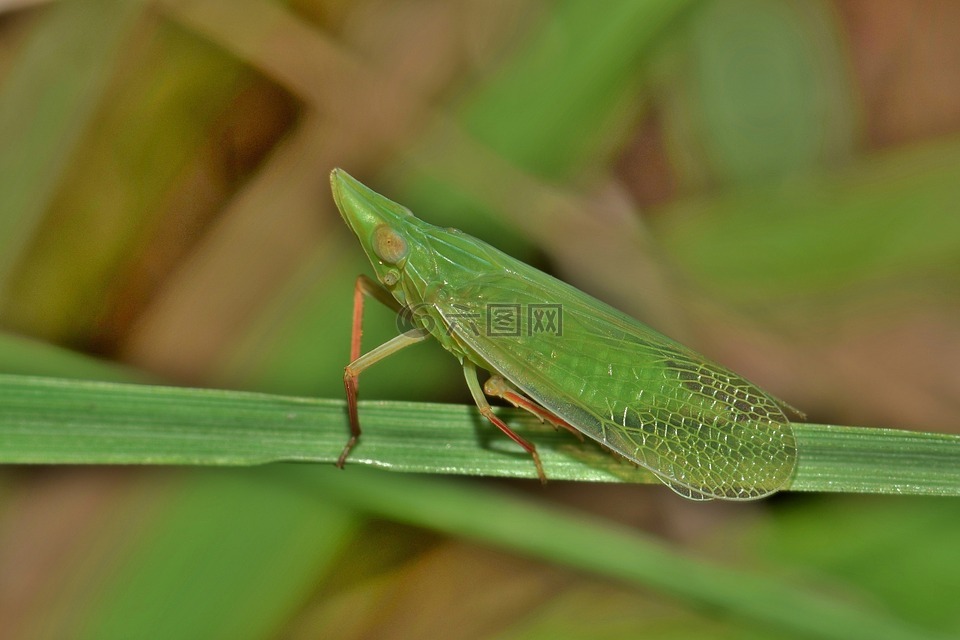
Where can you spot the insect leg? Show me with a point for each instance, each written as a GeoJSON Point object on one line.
{"type": "Point", "coordinates": [498, 387]}
{"type": "Point", "coordinates": [473, 383]}
{"type": "Point", "coordinates": [367, 287]}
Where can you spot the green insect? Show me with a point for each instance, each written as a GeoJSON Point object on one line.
{"type": "Point", "coordinates": [564, 356]}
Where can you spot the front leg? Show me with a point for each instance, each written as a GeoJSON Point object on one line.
{"type": "Point", "coordinates": [368, 287]}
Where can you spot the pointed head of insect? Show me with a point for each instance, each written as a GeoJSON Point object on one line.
{"type": "Point", "coordinates": [386, 230]}
{"type": "Point", "coordinates": [417, 262]}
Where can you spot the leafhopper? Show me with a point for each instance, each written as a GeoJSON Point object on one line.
{"type": "Point", "coordinates": [568, 358]}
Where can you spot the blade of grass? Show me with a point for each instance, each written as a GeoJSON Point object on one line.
{"type": "Point", "coordinates": [565, 538]}
{"type": "Point", "coordinates": [254, 549]}
{"type": "Point", "coordinates": [32, 357]}
{"type": "Point", "coordinates": [580, 541]}
{"type": "Point", "coordinates": [544, 108]}
{"type": "Point", "coordinates": [58, 421]}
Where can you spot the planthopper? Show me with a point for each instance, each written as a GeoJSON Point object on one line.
{"type": "Point", "coordinates": [566, 357]}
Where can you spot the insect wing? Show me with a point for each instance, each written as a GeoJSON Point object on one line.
{"type": "Point", "coordinates": [702, 429]}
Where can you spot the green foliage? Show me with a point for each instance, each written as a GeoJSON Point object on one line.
{"type": "Point", "coordinates": [60, 421]}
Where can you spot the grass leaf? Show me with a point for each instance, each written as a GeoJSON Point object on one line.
{"type": "Point", "coordinates": [59, 421]}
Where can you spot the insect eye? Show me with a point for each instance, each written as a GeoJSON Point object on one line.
{"type": "Point", "coordinates": [389, 245]}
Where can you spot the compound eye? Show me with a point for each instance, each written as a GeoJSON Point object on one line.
{"type": "Point", "coordinates": [389, 245]}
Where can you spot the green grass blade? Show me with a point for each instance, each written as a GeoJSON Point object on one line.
{"type": "Point", "coordinates": [861, 460]}
{"type": "Point", "coordinates": [59, 421]}
{"type": "Point", "coordinates": [253, 547]}
{"type": "Point", "coordinates": [544, 109]}
{"type": "Point", "coordinates": [577, 540]}
{"type": "Point", "coordinates": [33, 357]}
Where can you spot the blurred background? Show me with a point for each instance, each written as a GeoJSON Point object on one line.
{"type": "Point", "coordinates": [774, 183]}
